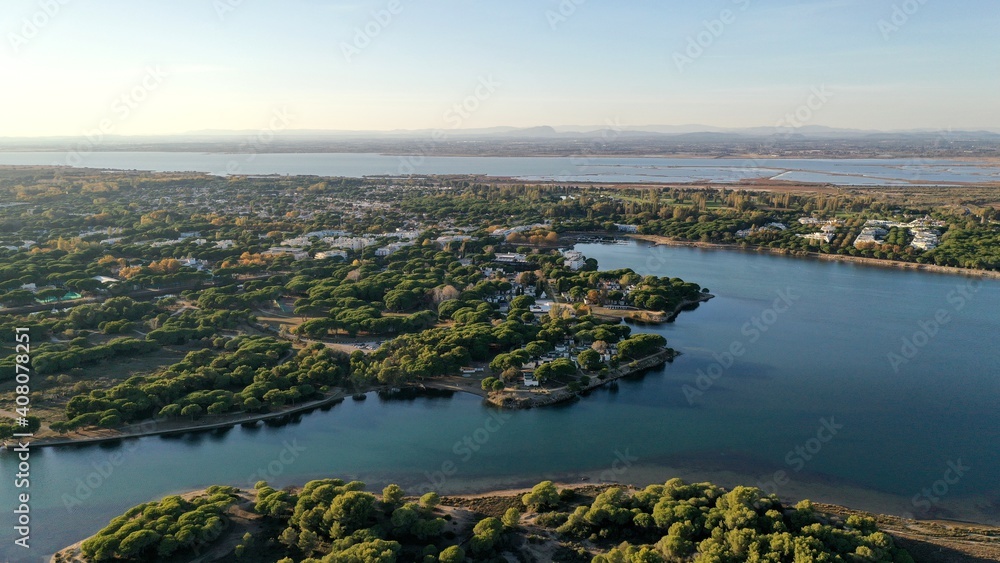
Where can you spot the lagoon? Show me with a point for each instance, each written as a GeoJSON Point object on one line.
{"type": "Point", "coordinates": [846, 172]}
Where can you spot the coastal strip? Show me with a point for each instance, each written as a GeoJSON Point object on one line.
{"type": "Point", "coordinates": [332, 399]}
{"type": "Point", "coordinates": [667, 241]}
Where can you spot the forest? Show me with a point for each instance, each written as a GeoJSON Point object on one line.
{"type": "Point", "coordinates": [330, 520]}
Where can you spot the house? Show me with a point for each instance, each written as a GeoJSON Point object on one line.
{"type": "Point", "coordinates": [106, 280]}
{"type": "Point", "coordinates": [327, 233]}
{"type": "Point", "coordinates": [821, 237]}
{"type": "Point", "coordinates": [574, 260]}
{"type": "Point", "coordinates": [297, 241]}
{"type": "Point", "coordinates": [193, 263]}
{"type": "Point", "coordinates": [530, 381]}
{"type": "Point", "coordinates": [627, 228]}
{"type": "Point", "coordinates": [392, 248]}
{"type": "Point", "coordinates": [296, 253]}
{"type": "Point", "coordinates": [448, 239]}
{"type": "Point", "coordinates": [327, 254]}
{"type": "Point", "coordinates": [512, 258]}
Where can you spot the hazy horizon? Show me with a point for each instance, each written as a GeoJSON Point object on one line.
{"type": "Point", "coordinates": [389, 65]}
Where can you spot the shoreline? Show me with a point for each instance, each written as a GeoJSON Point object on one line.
{"type": "Point", "coordinates": [453, 384]}
{"type": "Point", "coordinates": [204, 427]}
{"type": "Point", "coordinates": [438, 384]}
{"type": "Point", "coordinates": [505, 400]}
{"type": "Point", "coordinates": [659, 240]}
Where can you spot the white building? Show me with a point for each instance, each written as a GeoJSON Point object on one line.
{"type": "Point", "coordinates": [511, 258]}
{"type": "Point", "coordinates": [821, 237]}
{"type": "Point", "coordinates": [193, 263]}
{"type": "Point", "coordinates": [296, 253]}
{"type": "Point", "coordinates": [575, 260]}
{"type": "Point", "coordinates": [870, 235]}
{"type": "Point", "coordinates": [327, 254]}
{"type": "Point", "coordinates": [392, 248]}
{"type": "Point", "coordinates": [356, 244]}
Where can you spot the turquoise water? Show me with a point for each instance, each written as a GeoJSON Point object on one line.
{"type": "Point", "coordinates": [848, 172]}
{"type": "Point", "coordinates": [824, 356]}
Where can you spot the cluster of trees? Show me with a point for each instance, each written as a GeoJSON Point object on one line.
{"type": "Point", "coordinates": [420, 281]}
{"type": "Point", "coordinates": [76, 356]}
{"type": "Point", "coordinates": [339, 521]}
{"type": "Point", "coordinates": [610, 287]}
{"type": "Point", "coordinates": [434, 352]}
{"type": "Point", "coordinates": [195, 324]}
{"type": "Point", "coordinates": [232, 297]}
{"type": "Point", "coordinates": [171, 527]}
{"type": "Point", "coordinates": [364, 318]}
{"type": "Point", "coordinates": [701, 522]}
{"type": "Point", "coordinates": [114, 312]}
{"type": "Point", "coordinates": [330, 520]}
{"type": "Point", "coordinates": [640, 346]}
{"type": "Point", "coordinates": [7, 430]}
{"type": "Point", "coordinates": [250, 374]}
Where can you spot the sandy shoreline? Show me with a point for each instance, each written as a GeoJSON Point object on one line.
{"type": "Point", "coordinates": [666, 241]}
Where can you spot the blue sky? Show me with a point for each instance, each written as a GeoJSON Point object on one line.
{"type": "Point", "coordinates": [185, 65]}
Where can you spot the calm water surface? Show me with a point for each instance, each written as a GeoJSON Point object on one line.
{"type": "Point", "coordinates": [853, 172]}
{"type": "Point", "coordinates": [824, 357]}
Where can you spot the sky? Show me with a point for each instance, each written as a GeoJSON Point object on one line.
{"type": "Point", "coordinates": [144, 67]}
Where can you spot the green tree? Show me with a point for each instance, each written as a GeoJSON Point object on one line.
{"type": "Point", "coordinates": [590, 360]}
{"type": "Point", "coordinates": [511, 518]}
{"type": "Point", "coordinates": [392, 495]}
{"type": "Point", "coordinates": [543, 496]}
{"type": "Point", "coordinates": [452, 554]}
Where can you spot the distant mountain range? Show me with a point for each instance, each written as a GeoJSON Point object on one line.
{"type": "Point", "coordinates": [811, 141]}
